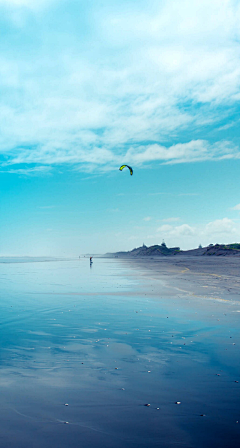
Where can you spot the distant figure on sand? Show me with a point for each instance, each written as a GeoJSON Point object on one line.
{"type": "Point", "coordinates": [91, 260]}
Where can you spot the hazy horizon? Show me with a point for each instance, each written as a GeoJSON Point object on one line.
{"type": "Point", "coordinates": [81, 255]}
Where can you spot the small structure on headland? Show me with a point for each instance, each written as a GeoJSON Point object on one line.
{"type": "Point", "coordinates": [163, 250]}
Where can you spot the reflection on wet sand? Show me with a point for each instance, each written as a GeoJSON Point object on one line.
{"type": "Point", "coordinates": [100, 358]}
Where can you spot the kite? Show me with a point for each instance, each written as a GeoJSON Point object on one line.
{"type": "Point", "coordinates": [124, 166]}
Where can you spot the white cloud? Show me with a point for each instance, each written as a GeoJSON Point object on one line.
{"type": "Point", "coordinates": [159, 194]}
{"type": "Point", "coordinates": [82, 94]}
{"type": "Point", "coordinates": [188, 194]}
{"type": "Point", "coordinates": [187, 236]}
{"type": "Point", "coordinates": [165, 228]}
{"type": "Point", "coordinates": [195, 150]}
{"type": "Point", "coordinates": [87, 158]}
{"type": "Point", "coordinates": [62, 154]}
{"type": "Point", "coordinates": [148, 218]}
{"type": "Point", "coordinates": [28, 171]}
{"type": "Point", "coordinates": [170, 219]}
{"type": "Point", "coordinates": [222, 231]}
{"type": "Point", "coordinates": [221, 226]}
{"type": "Point", "coordinates": [31, 4]}
{"type": "Point", "coordinates": [237, 207]}
{"type": "Point", "coordinates": [183, 230]}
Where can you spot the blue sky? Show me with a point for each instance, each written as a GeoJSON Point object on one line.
{"type": "Point", "coordinates": [86, 86]}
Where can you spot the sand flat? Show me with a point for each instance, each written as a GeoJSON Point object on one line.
{"type": "Point", "coordinates": [84, 350]}
{"type": "Point", "coordinates": [217, 274]}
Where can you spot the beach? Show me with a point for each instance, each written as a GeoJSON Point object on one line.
{"type": "Point", "coordinates": [123, 353]}
{"type": "Point", "coordinates": [198, 276]}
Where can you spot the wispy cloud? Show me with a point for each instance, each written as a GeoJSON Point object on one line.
{"type": "Point", "coordinates": [114, 210]}
{"type": "Point", "coordinates": [183, 230]}
{"type": "Point", "coordinates": [173, 194]}
{"type": "Point", "coordinates": [188, 194]}
{"type": "Point", "coordinates": [28, 171]}
{"type": "Point", "coordinates": [237, 207]}
{"type": "Point", "coordinates": [31, 4]}
{"type": "Point", "coordinates": [102, 159]}
{"type": "Point", "coordinates": [170, 219]}
{"type": "Point", "coordinates": [147, 218]}
{"type": "Point", "coordinates": [195, 150]}
{"type": "Point", "coordinates": [158, 194]}
{"type": "Point", "coordinates": [130, 81]}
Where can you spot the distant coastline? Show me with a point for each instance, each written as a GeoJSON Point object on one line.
{"type": "Point", "coordinates": [219, 250]}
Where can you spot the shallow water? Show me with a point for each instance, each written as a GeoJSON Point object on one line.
{"type": "Point", "coordinates": [97, 340]}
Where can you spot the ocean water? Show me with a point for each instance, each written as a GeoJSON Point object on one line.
{"type": "Point", "coordinates": [85, 349]}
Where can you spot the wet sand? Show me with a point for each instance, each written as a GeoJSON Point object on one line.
{"type": "Point", "coordinates": [196, 276]}
{"type": "Point", "coordinates": [83, 350]}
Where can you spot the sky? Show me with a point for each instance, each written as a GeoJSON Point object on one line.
{"type": "Point", "coordinates": [88, 86]}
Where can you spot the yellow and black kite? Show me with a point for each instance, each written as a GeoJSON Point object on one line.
{"type": "Point", "coordinates": [124, 166]}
